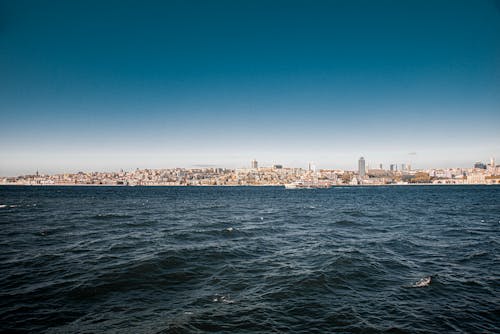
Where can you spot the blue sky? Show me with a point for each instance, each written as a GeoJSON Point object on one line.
{"type": "Point", "coordinates": [105, 85]}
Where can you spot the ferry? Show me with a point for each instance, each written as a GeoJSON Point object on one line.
{"type": "Point", "coordinates": [305, 185]}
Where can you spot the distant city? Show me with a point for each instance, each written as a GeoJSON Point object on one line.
{"type": "Point", "coordinates": [276, 175]}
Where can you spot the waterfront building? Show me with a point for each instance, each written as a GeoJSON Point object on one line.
{"type": "Point", "coordinates": [476, 178]}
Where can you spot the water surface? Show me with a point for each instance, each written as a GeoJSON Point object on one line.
{"type": "Point", "coordinates": [249, 259]}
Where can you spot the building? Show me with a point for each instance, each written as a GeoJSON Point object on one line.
{"type": "Point", "coordinates": [480, 165]}
{"type": "Point", "coordinates": [255, 164]}
{"type": "Point", "coordinates": [361, 167]}
{"type": "Point", "coordinates": [476, 178]}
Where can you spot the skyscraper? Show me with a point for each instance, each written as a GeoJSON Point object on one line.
{"type": "Point", "coordinates": [361, 167]}
{"type": "Point", "coordinates": [255, 164]}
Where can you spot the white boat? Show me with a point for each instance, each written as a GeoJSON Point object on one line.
{"type": "Point", "coordinates": [305, 185]}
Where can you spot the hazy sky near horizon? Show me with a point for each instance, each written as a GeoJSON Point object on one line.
{"type": "Point", "coordinates": [105, 85]}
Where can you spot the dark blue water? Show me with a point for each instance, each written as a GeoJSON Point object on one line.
{"type": "Point", "coordinates": [249, 259]}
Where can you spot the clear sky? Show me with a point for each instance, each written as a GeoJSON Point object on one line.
{"type": "Point", "coordinates": [105, 85]}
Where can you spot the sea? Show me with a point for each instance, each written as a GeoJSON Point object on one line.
{"type": "Point", "coordinates": [395, 259]}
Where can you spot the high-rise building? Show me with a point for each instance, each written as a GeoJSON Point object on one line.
{"type": "Point", "coordinates": [403, 167]}
{"type": "Point", "coordinates": [391, 168]}
{"type": "Point", "coordinates": [255, 164]}
{"type": "Point", "coordinates": [479, 165]}
{"type": "Point", "coordinates": [361, 167]}
{"type": "Point", "coordinates": [381, 166]}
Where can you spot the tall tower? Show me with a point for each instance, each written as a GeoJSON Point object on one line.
{"type": "Point", "coordinates": [361, 167]}
{"type": "Point", "coordinates": [255, 164]}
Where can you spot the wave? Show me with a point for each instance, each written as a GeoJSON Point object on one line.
{"type": "Point", "coordinates": [346, 222]}
{"type": "Point", "coordinates": [107, 216]}
{"type": "Point", "coordinates": [223, 299]}
{"type": "Point", "coordinates": [423, 282]}
{"type": "Point", "coordinates": [108, 263]}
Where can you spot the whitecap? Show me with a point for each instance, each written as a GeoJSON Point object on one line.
{"type": "Point", "coordinates": [229, 229]}
{"type": "Point", "coordinates": [223, 299]}
{"type": "Point", "coordinates": [3, 206]}
{"type": "Point", "coordinates": [423, 282]}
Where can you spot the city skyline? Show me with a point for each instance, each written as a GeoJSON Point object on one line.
{"type": "Point", "coordinates": [100, 86]}
{"type": "Point", "coordinates": [291, 177]}
{"type": "Point", "coordinates": [361, 168]}
{"type": "Point", "coordinates": [410, 160]}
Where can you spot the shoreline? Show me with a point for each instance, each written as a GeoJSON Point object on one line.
{"type": "Point", "coordinates": [245, 185]}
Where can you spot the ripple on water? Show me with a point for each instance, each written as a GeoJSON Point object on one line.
{"type": "Point", "coordinates": [146, 260]}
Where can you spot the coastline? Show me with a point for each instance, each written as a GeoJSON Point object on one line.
{"type": "Point", "coordinates": [244, 185]}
